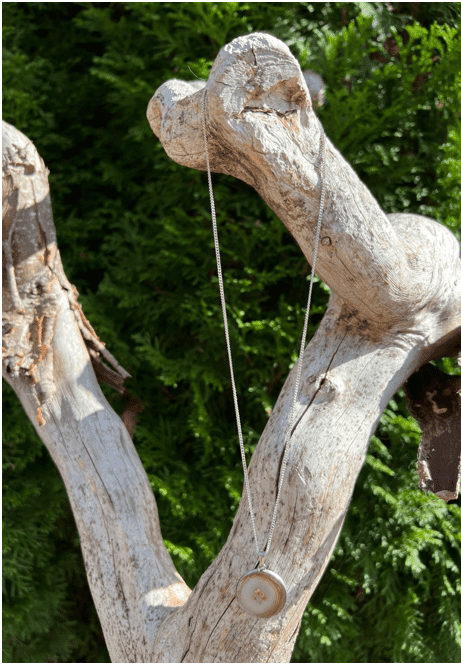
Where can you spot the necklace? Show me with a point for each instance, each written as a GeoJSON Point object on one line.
{"type": "Point", "coordinates": [261, 592]}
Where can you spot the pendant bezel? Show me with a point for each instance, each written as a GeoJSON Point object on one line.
{"type": "Point", "coordinates": [272, 589]}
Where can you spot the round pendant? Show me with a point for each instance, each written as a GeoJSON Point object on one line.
{"type": "Point", "coordinates": [261, 593]}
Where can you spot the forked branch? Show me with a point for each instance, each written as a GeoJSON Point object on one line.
{"type": "Point", "coordinates": [395, 304]}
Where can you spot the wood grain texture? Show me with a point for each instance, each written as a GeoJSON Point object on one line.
{"type": "Point", "coordinates": [131, 576]}
{"type": "Point", "coordinates": [395, 304]}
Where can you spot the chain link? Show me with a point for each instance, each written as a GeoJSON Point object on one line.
{"type": "Point", "coordinates": [287, 442]}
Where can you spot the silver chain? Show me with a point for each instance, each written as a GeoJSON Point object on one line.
{"type": "Point", "coordinates": [287, 442]}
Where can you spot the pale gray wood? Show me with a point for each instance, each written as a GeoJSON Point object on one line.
{"type": "Point", "coordinates": [395, 304]}
{"type": "Point", "coordinates": [131, 576]}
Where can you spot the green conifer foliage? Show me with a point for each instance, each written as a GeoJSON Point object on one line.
{"type": "Point", "coordinates": [134, 231]}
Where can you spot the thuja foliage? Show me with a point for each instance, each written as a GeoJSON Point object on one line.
{"type": "Point", "coordinates": [135, 237]}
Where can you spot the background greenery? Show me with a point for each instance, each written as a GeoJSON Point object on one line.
{"type": "Point", "coordinates": [135, 236]}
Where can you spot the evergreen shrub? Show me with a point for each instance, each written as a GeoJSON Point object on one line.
{"type": "Point", "coordinates": [135, 237]}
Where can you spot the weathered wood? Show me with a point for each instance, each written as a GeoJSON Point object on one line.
{"type": "Point", "coordinates": [395, 304]}
{"type": "Point", "coordinates": [130, 573]}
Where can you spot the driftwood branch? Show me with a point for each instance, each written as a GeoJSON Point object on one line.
{"type": "Point", "coordinates": [49, 352]}
{"type": "Point", "coordinates": [395, 305]}
{"type": "Point", "coordinates": [34, 277]}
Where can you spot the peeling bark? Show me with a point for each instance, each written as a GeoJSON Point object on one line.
{"type": "Point", "coordinates": [434, 399]}
{"type": "Point", "coordinates": [33, 277]}
{"type": "Point", "coordinates": [395, 305]}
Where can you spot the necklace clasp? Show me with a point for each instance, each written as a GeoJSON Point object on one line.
{"type": "Point", "coordinates": [261, 556]}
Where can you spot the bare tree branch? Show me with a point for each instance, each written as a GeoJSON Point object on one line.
{"type": "Point", "coordinates": [395, 305]}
